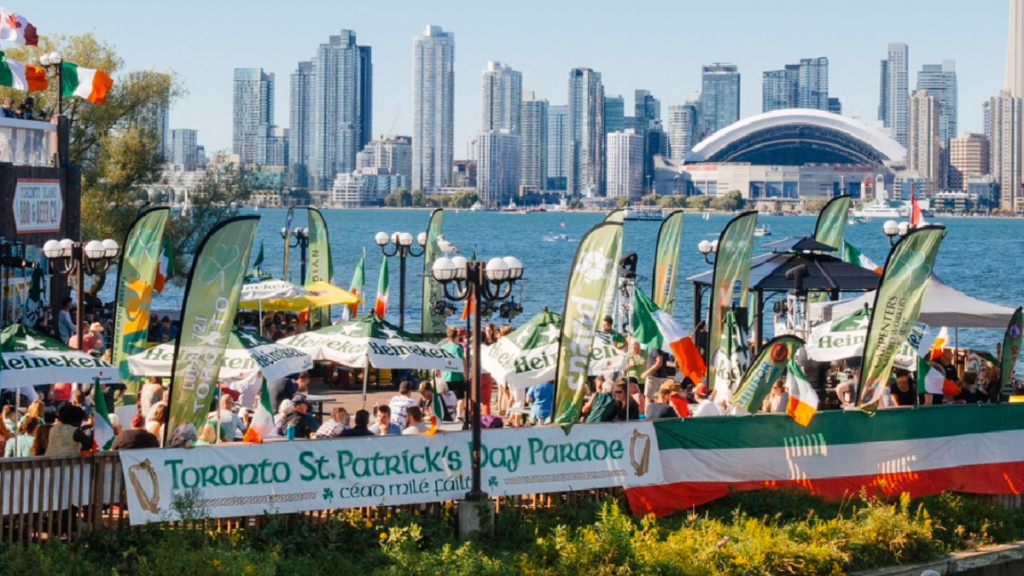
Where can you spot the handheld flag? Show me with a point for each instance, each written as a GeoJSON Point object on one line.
{"type": "Point", "coordinates": [851, 255]}
{"type": "Point", "coordinates": [655, 328]}
{"type": "Point", "coordinates": [380, 308]}
{"type": "Point", "coordinates": [166, 267]}
{"type": "Point", "coordinates": [356, 288]}
{"type": "Point", "coordinates": [262, 424]}
{"type": "Point", "coordinates": [803, 400]}
{"type": "Point", "coordinates": [933, 381]}
{"type": "Point", "coordinates": [436, 412]}
{"type": "Point", "coordinates": [85, 83]}
{"type": "Point", "coordinates": [930, 347]}
{"type": "Point", "coordinates": [102, 430]}
{"type": "Point", "coordinates": [16, 28]}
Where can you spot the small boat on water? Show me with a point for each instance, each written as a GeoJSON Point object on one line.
{"type": "Point", "coordinates": [477, 207]}
{"type": "Point", "coordinates": [855, 220]}
{"type": "Point", "coordinates": [763, 230]}
{"type": "Point", "coordinates": [644, 214]}
{"type": "Point", "coordinates": [707, 215]}
{"type": "Point", "coordinates": [556, 238]}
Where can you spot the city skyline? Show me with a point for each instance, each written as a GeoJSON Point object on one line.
{"type": "Point", "coordinates": [977, 43]}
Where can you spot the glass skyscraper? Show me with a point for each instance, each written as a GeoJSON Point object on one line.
{"type": "Point", "coordinates": [433, 109]}
{"type": "Point", "coordinates": [940, 81]}
{"type": "Point", "coordinates": [253, 112]}
{"type": "Point", "coordinates": [720, 97]}
{"type": "Point", "coordinates": [586, 145]}
{"type": "Point", "coordinates": [558, 146]}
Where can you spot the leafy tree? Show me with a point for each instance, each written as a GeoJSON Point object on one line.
{"type": "Point", "coordinates": [464, 199]}
{"type": "Point", "coordinates": [698, 202]}
{"type": "Point", "coordinates": [575, 204]}
{"type": "Point", "coordinates": [621, 202]}
{"type": "Point", "coordinates": [417, 198]}
{"type": "Point", "coordinates": [731, 202]}
{"type": "Point", "coordinates": [649, 200]}
{"type": "Point", "coordinates": [815, 205]}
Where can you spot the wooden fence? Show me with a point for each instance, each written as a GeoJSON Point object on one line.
{"type": "Point", "coordinates": [66, 498]}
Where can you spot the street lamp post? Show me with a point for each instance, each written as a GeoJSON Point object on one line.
{"type": "Point", "coordinates": [478, 283]}
{"type": "Point", "coordinates": [301, 241]}
{"type": "Point", "coordinates": [401, 244]}
{"type": "Point", "coordinates": [80, 259]}
{"type": "Point", "coordinates": [54, 64]}
{"type": "Point", "coordinates": [895, 230]}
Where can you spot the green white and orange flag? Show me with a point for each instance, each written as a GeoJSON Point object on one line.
{"type": "Point", "coordinates": [20, 76]}
{"type": "Point", "coordinates": [86, 83]}
{"type": "Point", "coordinates": [803, 400]}
{"type": "Point", "coordinates": [851, 255]}
{"type": "Point", "coordinates": [262, 424]}
{"type": "Point", "coordinates": [436, 412]}
{"type": "Point", "coordinates": [931, 380]}
{"type": "Point", "coordinates": [380, 308]}
{"type": "Point", "coordinates": [102, 430]}
{"type": "Point", "coordinates": [356, 288]}
{"type": "Point", "coordinates": [165, 268]}
{"type": "Point", "coordinates": [654, 328]}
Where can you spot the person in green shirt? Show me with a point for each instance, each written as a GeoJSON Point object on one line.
{"type": "Point", "coordinates": [456, 382]}
{"type": "Point", "coordinates": [608, 327]}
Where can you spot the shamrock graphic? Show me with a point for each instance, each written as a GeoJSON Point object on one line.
{"type": "Point", "coordinates": [216, 269]}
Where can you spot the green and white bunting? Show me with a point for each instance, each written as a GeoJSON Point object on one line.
{"type": "Point", "coordinates": [769, 366]}
{"type": "Point", "coordinates": [318, 267]}
{"type": "Point", "coordinates": [373, 339]}
{"type": "Point", "coordinates": [211, 299]}
{"type": "Point", "coordinates": [593, 269]}
{"type": "Point", "coordinates": [430, 322]}
{"type": "Point", "coordinates": [136, 277]}
{"type": "Point", "coordinates": [1011, 349]}
{"type": "Point", "coordinates": [897, 307]}
{"type": "Point", "coordinates": [28, 358]}
{"type": "Point", "coordinates": [528, 355]}
{"type": "Point", "coordinates": [731, 279]}
{"type": "Point", "coordinates": [666, 262]}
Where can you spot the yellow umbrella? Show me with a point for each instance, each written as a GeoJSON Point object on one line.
{"type": "Point", "coordinates": [322, 293]}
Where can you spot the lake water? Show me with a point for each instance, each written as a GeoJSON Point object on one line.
{"type": "Point", "coordinates": [982, 257]}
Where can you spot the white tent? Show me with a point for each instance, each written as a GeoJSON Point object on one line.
{"type": "Point", "coordinates": [943, 306]}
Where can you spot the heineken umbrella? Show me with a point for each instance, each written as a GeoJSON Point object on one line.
{"type": "Point", "coordinates": [528, 355]}
{"type": "Point", "coordinates": [844, 338]}
{"type": "Point", "coordinates": [323, 293]}
{"type": "Point", "coordinates": [247, 354]}
{"type": "Point", "coordinates": [258, 288]}
{"type": "Point", "coordinates": [28, 358]}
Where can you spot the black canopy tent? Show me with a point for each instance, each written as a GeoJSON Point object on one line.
{"type": "Point", "coordinates": [768, 272]}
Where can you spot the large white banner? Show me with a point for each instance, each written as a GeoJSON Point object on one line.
{"type": "Point", "coordinates": [284, 477]}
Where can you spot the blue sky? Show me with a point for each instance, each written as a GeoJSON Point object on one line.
{"type": "Point", "coordinates": [658, 46]}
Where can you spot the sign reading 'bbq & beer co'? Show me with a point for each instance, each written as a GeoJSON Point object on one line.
{"type": "Point", "coordinates": [38, 206]}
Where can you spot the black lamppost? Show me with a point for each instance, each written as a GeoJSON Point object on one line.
{"type": "Point", "coordinates": [70, 258]}
{"type": "Point", "coordinates": [54, 64]}
{"type": "Point", "coordinates": [400, 244]}
{"type": "Point", "coordinates": [300, 239]}
{"type": "Point", "coordinates": [478, 283]}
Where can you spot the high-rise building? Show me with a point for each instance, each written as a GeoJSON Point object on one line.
{"type": "Point", "coordinates": [894, 100]}
{"type": "Point", "coordinates": [924, 150]}
{"type": "Point", "coordinates": [392, 154]}
{"type": "Point", "coordinates": [433, 109]}
{"type": "Point", "coordinates": [625, 165]}
{"type": "Point", "coordinates": [835, 106]}
{"type": "Point", "coordinates": [720, 97]}
{"type": "Point", "coordinates": [156, 118]}
{"type": "Point", "coordinates": [586, 142]}
{"type": "Point", "coordinates": [683, 129]}
{"type": "Point", "coordinates": [253, 112]}
{"type": "Point", "coordinates": [986, 119]}
{"type": "Point", "coordinates": [812, 83]}
{"type": "Point", "coordinates": [968, 156]}
{"type": "Point", "coordinates": [940, 81]}
{"type": "Point", "coordinates": [614, 113]}
{"type": "Point", "coordinates": [1006, 147]}
{"type": "Point", "coordinates": [558, 147]}
{"type": "Point", "coordinates": [497, 178]}
{"type": "Point", "coordinates": [779, 88]}
{"type": "Point", "coordinates": [534, 160]}
{"type": "Point", "coordinates": [273, 147]}
{"type": "Point", "coordinates": [184, 149]}
{"type": "Point", "coordinates": [503, 98]}
{"type": "Point", "coordinates": [301, 123]}
{"type": "Point", "coordinates": [342, 104]}
{"type": "Point", "coordinates": [647, 125]}
{"type": "Point", "coordinates": [1014, 82]}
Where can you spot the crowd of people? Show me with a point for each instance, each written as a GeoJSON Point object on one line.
{"type": "Point", "coordinates": [24, 111]}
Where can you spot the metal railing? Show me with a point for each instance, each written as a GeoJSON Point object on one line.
{"type": "Point", "coordinates": [27, 142]}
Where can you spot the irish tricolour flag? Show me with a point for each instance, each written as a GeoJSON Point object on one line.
{"type": "Point", "coordinates": [380, 308]}
{"type": "Point", "coordinates": [86, 83]}
{"type": "Point", "coordinates": [653, 327]}
{"type": "Point", "coordinates": [165, 267]}
{"type": "Point", "coordinates": [102, 430]}
{"type": "Point", "coordinates": [262, 424]}
{"type": "Point", "coordinates": [19, 76]}
{"type": "Point", "coordinates": [851, 255]}
{"type": "Point", "coordinates": [839, 453]}
{"type": "Point", "coordinates": [803, 400]}
{"type": "Point", "coordinates": [356, 287]}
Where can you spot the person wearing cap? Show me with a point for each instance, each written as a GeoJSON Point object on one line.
{"type": "Point", "coordinates": [384, 426]}
{"type": "Point", "coordinates": [401, 402]}
{"type": "Point", "coordinates": [304, 424]}
{"type": "Point", "coordinates": [136, 436]}
{"type": "Point", "coordinates": [93, 339]}
{"type": "Point", "coordinates": [705, 407]}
